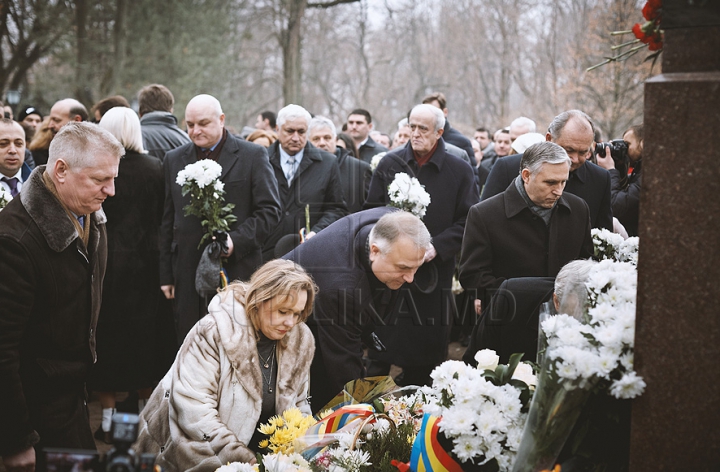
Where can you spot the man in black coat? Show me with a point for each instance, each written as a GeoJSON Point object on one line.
{"type": "Point", "coordinates": [358, 263]}
{"type": "Point", "coordinates": [355, 174]}
{"type": "Point", "coordinates": [307, 177]}
{"type": "Point", "coordinates": [572, 130]}
{"type": "Point", "coordinates": [450, 134]}
{"type": "Point", "coordinates": [359, 125]}
{"type": "Point", "coordinates": [53, 252]}
{"type": "Point", "coordinates": [249, 184]}
{"type": "Point", "coordinates": [530, 230]}
{"type": "Point", "coordinates": [450, 181]}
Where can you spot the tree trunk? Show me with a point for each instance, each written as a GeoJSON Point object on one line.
{"type": "Point", "coordinates": [120, 46]}
{"type": "Point", "coordinates": [82, 72]}
{"type": "Point", "coordinates": [290, 42]}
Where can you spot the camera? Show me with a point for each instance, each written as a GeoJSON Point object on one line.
{"type": "Point", "coordinates": [121, 458]}
{"type": "Point", "coordinates": [618, 151]}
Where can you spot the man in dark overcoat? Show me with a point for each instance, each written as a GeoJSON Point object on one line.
{"type": "Point", "coordinates": [53, 252]}
{"type": "Point", "coordinates": [354, 173]}
{"type": "Point", "coordinates": [531, 230]}
{"type": "Point", "coordinates": [249, 184]}
{"type": "Point", "coordinates": [358, 263]}
{"type": "Point", "coordinates": [307, 177]}
{"type": "Point", "coordinates": [572, 130]}
{"type": "Point", "coordinates": [417, 339]}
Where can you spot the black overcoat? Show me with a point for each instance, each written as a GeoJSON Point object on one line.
{"type": "Point", "coordinates": [350, 298]}
{"type": "Point", "coordinates": [589, 182]}
{"type": "Point", "coordinates": [419, 335]}
{"type": "Point", "coordinates": [134, 325]}
{"type": "Point", "coordinates": [316, 183]}
{"type": "Point", "coordinates": [355, 176]}
{"type": "Point", "coordinates": [251, 186]}
{"type": "Point", "coordinates": [49, 304]}
{"type": "Point", "coordinates": [504, 239]}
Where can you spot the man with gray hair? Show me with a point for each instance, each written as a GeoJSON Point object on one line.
{"type": "Point", "coordinates": [309, 182]}
{"type": "Point", "coordinates": [354, 173]}
{"type": "Point", "coordinates": [531, 230]}
{"type": "Point", "coordinates": [520, 126]}
{"type": "Point", "coordinates": [358, 263]}
{"type": "Point", "coordinates": [572, 130]}
{"type": "Point", "coordinates": [450, 181]}
{"type": "Point", "coordinates": [53, 252]}
{"type": "Point", "coordinates": [249, 185]}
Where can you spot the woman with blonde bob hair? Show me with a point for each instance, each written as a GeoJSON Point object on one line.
{"type": "Point", "coordinates": [247, 360]}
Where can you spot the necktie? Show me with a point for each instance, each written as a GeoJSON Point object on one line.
{"type": "Point", "coordinates": [12, 183]}
{"type": "Point", "coordinates": [290, 173]}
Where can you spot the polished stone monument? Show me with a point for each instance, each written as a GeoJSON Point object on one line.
{"type": "Point", "coordinates": [676, 422]}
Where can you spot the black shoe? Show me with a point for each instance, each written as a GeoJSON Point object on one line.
{"type": "Point", "coordinates": [103, 436]}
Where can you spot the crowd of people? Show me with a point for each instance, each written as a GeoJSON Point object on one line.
{"type": "Point", "coordinates": [329, 283]}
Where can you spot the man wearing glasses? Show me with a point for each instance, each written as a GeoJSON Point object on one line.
{"type": "Point", "coordinates": [572, 130]}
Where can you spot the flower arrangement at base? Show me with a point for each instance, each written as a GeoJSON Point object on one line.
{"type": "Point", "coordinates": [480, 413]}
{"type": "Point", "coordinates": [589, 353]}
{"type": "Point", "coordinates": [283, 430]}
{"type": "Point", "coordinates": [5, 197]}
{"type": "Point", "coordinates": [407, 193]}
{"type": "Point", "coordinates": [609, 245]}
{"type": "Point", "coordinates": [201, 180]}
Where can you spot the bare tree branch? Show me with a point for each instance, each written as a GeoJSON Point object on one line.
{"type": "Point", "coordinates": [329, 4]}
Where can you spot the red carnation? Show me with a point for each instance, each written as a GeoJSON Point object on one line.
{"type": "Point", "coordinates": [402, 467]}
{"type": "Point", "coordinates": [655, 42]}
{"type": "Point", "coordinates": [640, 33]}
{"type": "Point", "coordinates": [651, 10]}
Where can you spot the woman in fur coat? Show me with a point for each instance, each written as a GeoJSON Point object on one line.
{"type": "Point", "coordinates": [244, 362]}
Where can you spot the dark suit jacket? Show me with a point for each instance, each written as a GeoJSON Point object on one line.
{"type": "Point", "coordinates": [510, 323]}
{"type": "Point", "coordinates": [453, 136]}
{"type": "Point", "coordinates": [355, 176]}
{"type": "Point", "coordinates": [451, 184]}
{"type": "Point", "coordinates": [369, 149]}
{"type": "Point", "coordinates": [589, 182]}
{"type": "Point", "coordinates": [316, 183]}
{"type": "Point", "coordinates": [251, 186]}
{"type": "Point", "coordinates": [504, 239]}
{"type": "Point", "coordinates": [349, 298]}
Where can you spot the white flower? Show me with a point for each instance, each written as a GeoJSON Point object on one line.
{"type": "Point", "coordinates": [524, 372]}
{"type": "Point", "coordinates": [236, 467]}
{"type": "Point", "coordinates": [487, 359]}
{"type": "Point", "coordinates": [408, 194]}
{"type": "Point", "coordinates": [467, 446]}
{"type": "Point", "coordinates": [630, 385]}
{"type": "Point", "coordinates": [376, 160]}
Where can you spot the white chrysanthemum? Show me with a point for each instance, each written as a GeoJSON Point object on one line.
{"type": "Point", "coordinates": [487, 359]}
{"type": "Point", "coordinates": [467, 446]}
{"type": "Point", "coordinates": [236, 467]}
{"type": "Point", "coordinates": [630, 385]}
{"type": "Point", "coordinates": [456, 421]}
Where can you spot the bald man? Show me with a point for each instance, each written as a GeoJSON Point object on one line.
{"type": "Point", "coordinates": [62, 112]}
{"type": "Point", "coordinates": [250, 185]}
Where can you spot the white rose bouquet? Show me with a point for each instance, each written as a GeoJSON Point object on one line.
{"type": "Point", "coordinates": [408, 194]}
{"type": "Point", "coordinates": [202, 181]}
{"type": "Point", "coordinates": [5, 197]}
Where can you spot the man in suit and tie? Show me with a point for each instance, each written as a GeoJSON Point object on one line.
{"type": "Point", "coordinates": [572, 130]}
{"type": "Point", "coordinates": [249, 184]}
{"type": "Point", "coordinates": [13, 169]}
{"type": "Point", "coordinates": [308, 180]}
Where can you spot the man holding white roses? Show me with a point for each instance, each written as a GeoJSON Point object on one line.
{"type": "Point", "coordinates": [249, 184]}
{"type": "Point", "coordinates": [427, 305]}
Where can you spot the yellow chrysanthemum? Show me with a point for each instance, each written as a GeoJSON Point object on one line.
{"type": "Point", "coordinates": [267, 429]}
{"type": "Point", "coordinates": [263, 444]}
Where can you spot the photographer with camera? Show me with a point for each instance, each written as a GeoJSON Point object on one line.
{"type": "Point", "coordinates": [618, 156]}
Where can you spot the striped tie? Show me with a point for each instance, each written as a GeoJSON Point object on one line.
{"type": "Point", "coordinates": [290, 173]}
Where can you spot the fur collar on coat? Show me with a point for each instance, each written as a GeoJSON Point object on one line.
{"type": "Point", "coordinates": [206, 408]}
{"type": "Point", "coordinates": [48, 213]}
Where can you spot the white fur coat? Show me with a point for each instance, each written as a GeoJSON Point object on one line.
{"type": "Point", "coordinates": [206, 408]}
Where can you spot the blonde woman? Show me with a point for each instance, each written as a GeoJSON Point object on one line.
{"type": "Point", "coordinates": [246, 361]}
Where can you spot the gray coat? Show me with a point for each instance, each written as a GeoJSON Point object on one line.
{"type": "Point", "coordinates": [161, 133]}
